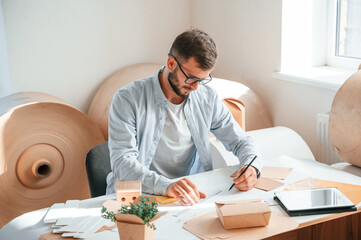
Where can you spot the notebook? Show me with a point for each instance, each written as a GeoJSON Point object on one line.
{"type": "Point", "coordinates": [313, 201]}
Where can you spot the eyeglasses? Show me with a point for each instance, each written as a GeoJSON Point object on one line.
{"type": "Point", "coordinates": [191, 80]}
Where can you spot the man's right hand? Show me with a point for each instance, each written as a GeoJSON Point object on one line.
{"type": "Point", "coordinates": [185, 192]}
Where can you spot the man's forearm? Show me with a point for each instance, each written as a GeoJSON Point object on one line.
{"type": "Point", "coordinates": [129, 169]}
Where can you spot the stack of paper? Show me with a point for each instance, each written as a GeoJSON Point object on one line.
{"type": "Point", "coordinates": [71, 221]}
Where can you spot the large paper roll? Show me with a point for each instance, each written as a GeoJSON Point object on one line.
{"type": "Point", "coordinates": [99, 107]}
{"type": "Point", "coordinates": [43, 144]}
{"type": "Point", "coordinates": [256, 113]}
{"type": "Point", "coordinates": [345, 121]}
{"type": "Point", "coordinates": [257, 116]}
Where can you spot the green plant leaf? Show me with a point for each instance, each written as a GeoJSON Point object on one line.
{"type": "Point", "coordinates": [145, 210]}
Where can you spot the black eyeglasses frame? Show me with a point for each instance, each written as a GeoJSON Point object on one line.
{"type": "Point", "coordinates": [192, 80]}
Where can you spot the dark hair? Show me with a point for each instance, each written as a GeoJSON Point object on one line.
{"type": "Point", "coordinates": [198, 44]}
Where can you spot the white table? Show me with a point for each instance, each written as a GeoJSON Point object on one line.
{"type": "Point", "coordinates": [30, 225]}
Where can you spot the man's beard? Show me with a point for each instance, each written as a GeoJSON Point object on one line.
{"type": "Point", "coordinates": [173, 80]}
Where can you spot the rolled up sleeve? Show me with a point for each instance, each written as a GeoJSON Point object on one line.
{"type": "Point", "coordinates": [233, 137]}
{"type": "Point", "coordinates": [123, 148]}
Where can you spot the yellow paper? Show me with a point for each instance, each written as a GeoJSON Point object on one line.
{"type": "Point", "coordinates": [165, 200]}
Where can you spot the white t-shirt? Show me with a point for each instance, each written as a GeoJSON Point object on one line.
{"type": "Point", "coordinates": [173, 157]}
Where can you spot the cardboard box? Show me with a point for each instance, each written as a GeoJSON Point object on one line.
{"type": "Point", "coordinates": [132, 227]}
{"type": "Point", "coordinates": [128, 192]}
{"type": "Point", "coordinates": [243, 213]}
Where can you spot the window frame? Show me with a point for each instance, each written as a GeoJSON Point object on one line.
{"type": "Point", "coordinates": [331, 58]}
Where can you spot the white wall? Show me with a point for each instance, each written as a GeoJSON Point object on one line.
{"type": "Point", "coordinates": [248, 36]}
{"type": "Point", "coordinates": [67, 48]}
{"type": "Point", "coordinates": [5, 85]}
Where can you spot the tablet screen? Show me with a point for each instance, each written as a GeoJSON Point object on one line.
{"type": "Point", "coordinates": [309, 199]}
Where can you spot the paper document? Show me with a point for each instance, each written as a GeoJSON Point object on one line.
{"type": "Point", "coordinates": [275, 172]}
{"type": "Point", "coordinates": [270, 176]}
{"type": "Point", "coordinates": [267, 184]}
{"type": "Point", "coordinates": [208, 226]}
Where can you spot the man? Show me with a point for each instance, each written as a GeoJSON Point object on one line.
{"type": "Point", "coordinates": [159, 126]}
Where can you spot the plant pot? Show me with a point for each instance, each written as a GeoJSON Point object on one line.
{"type": "Point", "coordinates": [132, 227]}
{"type": "Point", "coordinates": [134, 231]}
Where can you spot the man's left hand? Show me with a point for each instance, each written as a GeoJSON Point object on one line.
{"type": "Point", "coordinates": [247, 181]}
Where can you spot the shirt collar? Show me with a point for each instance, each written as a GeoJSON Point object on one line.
{"type": "Point", "coordinates": [158, 92]}
{"type": "Point", "coordinates": [160, 98]}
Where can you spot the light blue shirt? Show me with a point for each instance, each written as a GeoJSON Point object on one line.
{"type": "Point", "coordinates": [136, 119]}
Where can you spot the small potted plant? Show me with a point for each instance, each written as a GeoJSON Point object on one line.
{"type": "Point", "coordinates": [134, 222]}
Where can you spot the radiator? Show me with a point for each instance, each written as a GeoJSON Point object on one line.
{"type": "Point", "coordinates": [326, 153]}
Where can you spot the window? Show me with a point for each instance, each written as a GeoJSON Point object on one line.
{"type": "Point", "coordinates": [309, 42]}
{"type": "Point", "coordinates": [344, 33]}
{"type": "Point", "coordinates": [348, 29]}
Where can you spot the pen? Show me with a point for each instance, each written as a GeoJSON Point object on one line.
{"type": "Point", "coordinates": [243, 171]}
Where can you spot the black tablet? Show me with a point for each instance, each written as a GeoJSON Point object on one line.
{"type": "Point", "coordinates": [314, 201]}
